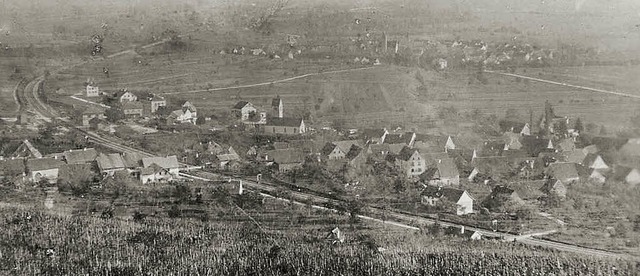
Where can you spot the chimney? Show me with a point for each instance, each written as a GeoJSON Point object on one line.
{"type": "Point", "coordinates": [84, 149]}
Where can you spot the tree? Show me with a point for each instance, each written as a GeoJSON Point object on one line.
{"type": "Point", "coordinates": [578, 127]}
{"type": "Point", "coordinates": [114, 114]}
{"type": "Point", "coordinates": [200, 121]}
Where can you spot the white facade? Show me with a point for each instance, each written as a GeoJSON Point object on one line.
{"type": "Point", "coordinates": [92, 91]}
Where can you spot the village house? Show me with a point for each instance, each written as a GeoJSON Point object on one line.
{"type": "Point", "coordinates": [277, 108]}
{"type": "Point", "coordinates": [12, 168]}
{"type": "Point", "coordinates": [108, 164]}
{"type": "Point", "coordinates": [630, 151]}
{"type": "Point", "coordinates": [575, 156]}
{"type": "Point", "coordinates": [554, 187]}
{"type": "Point", "coordinates": [595, 161]}
{"type": "Point", "coordinates": [522, 129]}
{"type": "Point", "coordinates": [131, 161]}
{"type": "Point", "coordinates": [226, 158]}
{"type": "Point", "coordinates": [337, 149]}
{"type": "Point", "coordinates": [169, 163]}
{"type": "Point", "coordinates": [91, 113]}
{"type": "Point", "coordinates": [443, 173]}
{"type": "Point", "coordinates": [432, 195]}
{"type": "Point", "coordinates": [356, 157]}
{"type": "Point", "coordinates": [374, 136]}
{"type": "Point", "coordinates": [405, 139]}
{"type": "Point", "coordinates": [566, 145]}
{"type": "Point", "coordinates": [489, 168]}
{"type": "Point", "coordinates": [286, 159]}
{"type": "Point", "coordinates": [155, 174]}
{"type": "Point", "coordinates": [92, 90]}
{"type": "Point", "coordinates": [564, 171]}
{"type": "Point", "coordinates": [410, 162]}
{"type": "Point", "coordinates": [597, 177]}
{"type": "Point", "coordinates": [244, 110]}
{"type": "Point", "coordinates": [627, 174]}
{"type": "Point", "coordinates": [157, 102]}
{"type": "Point", "coordinates": [26, 149]}
{"type": "Point", "coordinates": [186, 114]}
{"type": "Point", "coordinates": [501, 197]}
{"type": "Point", "coordinates": [287, 126]}
{"type": "Point", "coordinates": [80, 156]}
{"type": "Point", "coordinates": [132, 109]}
{"type": "Point", "coordinates": [124, 96]}
{"type": "Point", "coordinates": [512, 141]}
{"type": "Point", "coordinates": [42, 169]}
{"type": "Point", "coordinates": [430, 143]}
{"type": "Point", "coordinates": [535, 145]}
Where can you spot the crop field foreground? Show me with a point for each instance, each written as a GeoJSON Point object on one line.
{"type": "Point", "coordinates": [34, 242]}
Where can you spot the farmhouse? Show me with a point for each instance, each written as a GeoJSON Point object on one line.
{"type": "Point", "coordinates": [26, 149]}
{"type": "Point", "coordinates": [501, 197]}
{"type": "Point", "coordinates": [405, 139]}
{"type": "Point", "coordinates": [575, 156]}
{"type": "Point", "coordinates": [331, 151]}
{"type": "Point", "coordinates": [629, 175]}
{"type": "Point", "coordinates": [92, 90]}
{"type": "Point", "coordinates": [597, 177]}
{"type": "Point", "coordinates": [108, 164]}
{"type": "Point", "coordinates": [410, 162]}
{"type": "Point", "coordinates": [12, 168]}
{"type": "Point", "coordinates": [244, 110]}
{"type": "Point", "coordinates": [564, 171]}
{"type": "Point", "coordinates": [431, 143]}
{"type": "Point", "coordinates": [287, 126]}
{"type": "Point", "coordinates": [154, 174]}
{"type": "Point", "coordinates": [156, 103]}
{"type": "Point", "coordinates": [132, 109]}
{"type": "Point", "coordinates": [374, 136]}
{"type": "Point", "coordinates": [81, 156]}
{"type": "Point", "coordinates": [431, 195]}
{"type": "Point", "coordinates": [595, 162]}
{"type": "Point", "coordinates": [125, 96]}
{"type": "Point", "coordinates": [554, 187]}
{"type": "Point", "coordinates": [91, 113]}
{"type": "Point", "coordinates": [42, 169]}
{"type": "Point", "coordinates": [485, 168]}
{"type": "Point", "coordinates": [170, 163]}
{"type": "Point", "coordinates": [445, 172]}
{"type": "Point", "coordinates": [286, 159]}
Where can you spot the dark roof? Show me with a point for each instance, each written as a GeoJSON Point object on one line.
{"type": "Point", "coordinates": [240, 104]}
{"type": "Point", "coordinates": [354, 151]}
{"type": "Point", "coordinates": [432, 158]}
{"type": "Point", "coordinates": [43, 164]}
{"type": "Point", "coordinates": [286, 156]}
{"type": "Point", "coordinates": [169, 162]}
{"type": "Point", "coordinates": [550, 184]}
{"type": "Point", "coordinates": [494, 165]}
{"type": "Point", "coordinates": [288, 122]}
{"type": "Point", "coordinates": [501, 190]}
{"type": "Point", "coordinates": [328, 148]}
{"type": "Point", "coordinates": [605, 143]}
{"type": "Point", "coordinates": [346, 145]}
{"type": "Point", "coordinates": [132, 159]}
{"type": "Point", "coordinates": [451, 194]}
{"type": "Point", "coordinates": [447, 168]}
{"type": "Point", "coordinates": [373, 133]}
{"type": "Point", "coordinates": [575, 156]}
{"type": "Point", "coordinates": [110, 161]}
{"type": "Point", "coordinates": [620, 172]}
{"type": "Point", "coordinates": [534, 145]}
{"type": "Point", "coordinates": [12, 167]}
{"type": "Point", "coordinates": [379, 148]}
{"type": "Point", "coordinates": [80, 156]}
{"type": "Point", "coordinates": [151, 169]}
{"type": "Point", "coordinates": [492, 148]}
{"type": "Point", "coordinates": [406, 153]}
{"type": "Point", "coordinates": [399, 138]}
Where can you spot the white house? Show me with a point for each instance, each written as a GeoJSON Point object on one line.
{"type": "Point", "coordinates": [169, 163]}
{"type": "Point", "coordinates": [44, 169]}
{"type": "Point", "coordinates": [244, 110]}
{"type": "Point", "coordinates": [92, 90]}
{"type": "Point", "coordinates": [431, 195]}
{"type": "Point", "coordinates": [285, 126]}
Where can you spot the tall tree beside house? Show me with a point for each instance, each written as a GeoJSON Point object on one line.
{"type": "Point", "coordinates": [578, 126]}
{"type": "Point", "coordinates": [561, 128]}
{"type": "Point", "coordinates": [114, 114]}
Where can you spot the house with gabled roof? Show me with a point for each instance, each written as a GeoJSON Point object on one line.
{"type": "Point", "coordinates": [331, 151]}
{"type": "Point", "coordinates": [627, 174]}
{"type": "Point", "coordinates": [132, 109]}
{"type": "Point", "coordinates": [512, 141]}
{"type": "Point", "coordinates": [356, 156]}
{"type": "Point", "coordinates": [374, 136]}
{"type": "Point", "coordinates": [170, 163]}
{"type": "Point", "coordinates": [131, 160]}
{"type": "Point", "coordinates": [491, 148]}
{"type": "Point", "coordinates": [227, 157]}
{"type": "Point", "coordinates": [535, 145]}
{"type": "Point", "coordinates": [485, 168]}
{"type": "Point", "coordinates": [12, 168]}
{"type": "Point", "coordinates": [564, 171]}
{"type": "Point", "coordinates": [157, 102]}
{"type": "Point", "coordinates": [243, 110]}
{"type": "Point", "coordinates": [554, 187]}
{"type": "Point", "coordinates": [26, 149]}
{"type": "Point", "coordinates": [575, 156]}
{"type": "Point", "coordinates": [286, 126]}
{"type": "Point", "coordinates": [405, 139]}
{"type": "Point", "coordinates": [90, 113]}
{"type": "Point", "coordinates": [155, 173]}
{"type": "Point", "coordinates": [431, 195]}
{"type": "Point", "coordinates": [80, 156]}
{"type": "Point", "coordinates": [43, 169]}
{"type": "Point", "coordinates": [410, 162]}
{"type": "Point", "coordinates": [522, 129]}
{"type": "Point", "coordinates": [565, 145]}
{"type": "Point", "coordinates": [92, 90]}
{"type": "Point", "coordinates": [501, 197]}
{"type": "Point", "coordinates": [443, 173]}
{"type": "Point", "coordinates": [286, 159]}
{"type": "Point", "coordinates": [597, 177]}
{"type": "Point", "coordinates": [108, 164]}
{"type": "Point", "coordinates": [595, 161]}
{"type": "Point", "coordinates": [124, 96]}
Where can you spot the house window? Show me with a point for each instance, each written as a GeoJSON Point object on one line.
{"type": "Point", "coordinates": [285, 130]}
{"type": "Point", "coordinates": [412, 170]}
{"type": "Point", "coordinates": [274, 129]}
{"type": "Point", "coordinates": [295, 130]}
